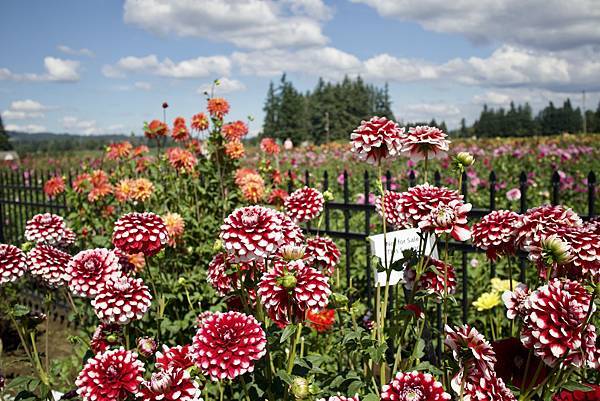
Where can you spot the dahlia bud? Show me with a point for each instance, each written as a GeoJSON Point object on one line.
{"type": "Point", "coordinates": [288, 281]}
{"type": "Point", "coordinates": [300, 388]}
{"type": "Point", "coordinates": [181, 281]}
{"type": "Point", "coordinates": [555, 250]}
{"type": "Point", "coordinates": [160, 382]}
{"type": "Point", "coordinates": [328, 196]}
{"type": "Point", "coordinates": [27, 246]}
{"type": "Point", "coordinates": [292, 252]}
{"type": "Point", "coordinates": [464, 159]}
{"type": "Point", "coordinates": [112, 338]}
{"type": "Point", "coordinates": [146, 346]}
{"type": "Point", "coordinates": [218, 245]}
{"type": "Point", "coordinates": [165, 105]}
{"type": "Point", "coordinates": [338, 300]}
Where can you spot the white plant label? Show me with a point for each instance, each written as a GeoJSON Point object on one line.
{"type": "Point", "coordinates": [404, 240]}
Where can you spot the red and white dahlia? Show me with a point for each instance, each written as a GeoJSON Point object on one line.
{"type": "Point", "coordinates": [140, 232]}
{"type": "Point", "coordinates": [322, 253]}
{"type": "Point", "coordinates": [173, 384]}
{"type": "Point", "coordinates": [391, 204]}
{"type": "Point", "coordinates": [414, 386]}
{"type": "Point", "coordinates": [122, 300]}
{"type": "Point", "coordinates": [340, 398]}
{"type": "Point", "coordinates": [468, 345]}
{"type": "Point", "coordinates": [218, 275]}
{"type": "Point", "coordinates": [554, 316]}
{"type": "Point", "coordinates": [495, 232]}
{"type": "Point", "coordinates": [228, 344]}
{"type": "Point", "coordinates": [106, 336]}
{"type": "Point", "coordinates": [449, 218]}
{"type": "Point", "coordinates": [89, 270]}
{"type": "Point", "coordinates": [418, 202]}
{"type": "Point", "coordinates": [178, 356]}
{"type": "Point", "coordinates": [289, 289]}
{"type": "Point", "coordinates": [292, 233]}
{"type": "Point", "coordinates": [49, 264]}
{"type": "Point", "coordinates": [542, 221]}
{"type": "Point", "coordinates": [304, 204]}
{"type": "Point", "coordinates": [515, 301]}
{"type": "Point", "coordinates": [584, 249]}
{"type": "Point", "coordinates": [424, 142]}
{"type": "Point", "coordinates": [252, 233]}
{"type": "Point", "coordinates": [45, 228]}
{"type": "Point", "coordinates": [377, 139]}
{"type": "Point", "coordinates": [13, 263]}
{"type": "Point", "coordinates": [432, 279]}
{"type": "Point", "coordinates": [480, 385]}
{"type": "Point", "coordinates": [109, 376]}
{"type": "Point", "coordinates": [68, 239]}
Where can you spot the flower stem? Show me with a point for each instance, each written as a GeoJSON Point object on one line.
{"type": "Point", "coordinates": [292, 356]}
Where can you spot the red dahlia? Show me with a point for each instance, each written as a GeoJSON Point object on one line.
{"type": "Point", "coordinates": [106, 336]}
{"type": "Point", "coordinates": [418, 202]}
{"type": "Point", "coordinates": [109, 376]}
{"type": "Point", "coordinates": [392, 208]}
{"type": "Point", "coordinates": [432, 280]}
{"type": "Point", "coordinates": [593, 394]}
{"type": "Point", "coordinates": [495, 232]}
{"type": "Point", "coordinates": [554, 316]}
{"type": "Point", "coordinates": [122, 300]}
{"type": "Point", "coordinates": [542, 221]}
{"type": "Point", "coordinates": [289, 289]}
{"type": "Point", "coordinates": [424, 142]}
{"type": "Point", "coordinates": [45, 228]}
{"type": "Point", "coordinates": [252, 233]}
{"type": "Point", "coordinates": [228, 344]}
{"type": "Point", "coordinates": [155, 128]}
{"type": "Point", "coordinates": [377, 139]}
{"type": "Point", "coordinates": [414, 386]}
{"type": "Point", "coordinates": [49, 264]}
{"type": "Point", "coordinates": [140, 232]}
{"type": "Point", "coordinates": [304, 204]}
{"type": "Point", "coordinates": [13, 263]}
{"type": "Point", "coordinates": [321, 321]}
{"type": "Point", "coordinates": [219, 275]}
{"type": "Point", "coordinates": [450, 218]}
{"type": "Point", "coordinates": [173, 384]}
{"type": "Point", "coordinates": [89, 270]}
{"type": "Point", "coordinates": [178, 356]}
{"type": "Point", "coordinates": [322, 253]}
{"type": "Point", "coordinates": [468, 345]}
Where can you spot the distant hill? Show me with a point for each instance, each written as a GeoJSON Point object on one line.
{"type": "Point", "coordinates": [47, 142]}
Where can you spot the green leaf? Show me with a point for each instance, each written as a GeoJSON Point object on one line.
{"type": "Point", "coordinates": [354, 387]}
{"type": "Point", "coordinates": [20, 310]}
{"type": "Point", "coordinates": [572, 386]}
{"type": "Point", "coordinates": [287, 332]}
{"type": "Point", "coordinates": [371, 397]}
{"type": "Point", "coordinates": [283, 375]}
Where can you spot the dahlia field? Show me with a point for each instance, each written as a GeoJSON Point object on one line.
{"type": "Point", "coordinates": [189, 273]}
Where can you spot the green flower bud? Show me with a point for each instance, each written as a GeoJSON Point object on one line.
{"type": "Point", "coordinates": [292, 252]}
{"type": "Point", "coordinates": [338, 300]}
{"type": "Point", "coordinates": [555, 251]}
{"type": "Point", "coordinates": [218, 245]}
{"type": "Point", "coordinates": [288, 281]}
{"type": "Point", "coordinates": [300, 388]}
{"type": "Point", "coordinates": [465, 159]}
{"type": "Point", "coordinates": [328, 195]}
{"type": "Point", "coordinates": [181, 281]}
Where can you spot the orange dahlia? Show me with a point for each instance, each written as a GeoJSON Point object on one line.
{"type": "Point", "coordinates": [218, 107]}
{"type": "Point", "coordinates": [175, 227]}
{"type": "Point", "coordinates": [141, 189]}
{"type": "Point", "coordinates": [199, 122]}
{"type": "Point", "coordinates": [234, 149]}
{"type": "Point", "coordinates": [181, 159]}
{"type": "Point", "coordinates": [54, 186]}
{"type": "Point", "coordinates": [121, 150]}
{"type": "Point", "coordinates": [180, 131]}
{"type": "Point", "coordinates": [235, 130]}
{"type": "Point", "coordinates": [269, 146]}
{"type": "Point", "coordinates": [155, 129]}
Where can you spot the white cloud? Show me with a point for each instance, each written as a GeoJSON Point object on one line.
{"type": "Point", "coordinates": [226, 85]}
{"type": "Point", "coordinates": [541, 24]}
{"type": "Point", "coordinates": [24, 109]}
{"type": "Point", "coordinates": [193, 68]}
{"type": "Point", "coordinates": [145, 86]}
{"type": "Point", "coordinates": [75, 52]}
{"type": "Point", "coordinates": [57, 70]}
{"type": "Point", "coordinates": [27, 105]}
{"type": "Point", "coordinates": [387, 67]}
{"type": "Point", "coordinates": [76, 126]}
{"type": "Point", "coordinates": [253, 24]}
{"type": "Point", "coordinates": [29, 128]}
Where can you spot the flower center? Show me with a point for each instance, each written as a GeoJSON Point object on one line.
{"type": "Point", "coordinates": [112, 372]}
{"type": "Point", "coordinates": [412, 394]}
{"type": "Point", "coordinates": [444, 216]}
{"type": "Point", "coordinates": [90, 265]}
{"type": "Point", "coordinates": [160, 382]}
{"type": "Point", "coordinates": [250, 218]}
{"type": "Point", "coordinates": [121, 284]}
{"type": "Point", "coordinates": [46, 220]}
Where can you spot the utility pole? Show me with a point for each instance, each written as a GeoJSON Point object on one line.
{"type": "Point", "coordinates": [584, 114]}
{"type": "Point", "coordinates": [327, 127]}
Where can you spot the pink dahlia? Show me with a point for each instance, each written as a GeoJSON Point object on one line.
{"type": "Point", "coordinates": [554, 317]}
{"type": "Point", "coordinates": [450, 218]}
{"type": "Point", "coordinates": [228, 344]}
{"type": "Point", "coordinates": [220, 276]}
{"type": "Point", "coordinates": [542, 221]}
{"type": "Point", "coordinates": [304, 204]}
{"type": "Point", "coordinates": [432, 280]}
{"type": "Point", "coordinates": [140, 232]}
{"type": "Point", "coordinates": [13, 263]}
{"type": "Point", "coordinates": [122, 300]}
{"type": "Point", "coordinates": [418, 202]}
{"type": "Point", "coordinates": [413, 386]}
{"type": "Point", "coordinates": [322, 253]}
{"type": "Point", "coordinates": [173, 384]}
{"type": "Point", "coordinates": [515, 301]}
{"type": "Point", "coordinates": [480, 385]}
{"type": "Point", "coordinates": [289, 289]}
{"type": "Point", "coordinates": [89, 270]}
{"type": "Point", "coordinates": [252, 233]}
{"type": "Point", "coordinates": [109, 376]}
{"type": "Point", "coordinates": [468, 345]}
{"type": "Point", "coordinates": [45, 228]}
{"type": "Point", "coordinates": [377, 139]}
{"type": "Point", "coordinates": [391, 205]}
{"type": "Point", "coordinates": [495, 232]}
{"type": "Point", "coordinates": [49, 264]}
{"type": "Point", "coordinates": [340, 398]}
{"type": "Point", "coordinates": [423, 142]}
{"type": "Point", "coordinates": [178, 356]}
{"type": "Point", "coordinates": [106, 336]}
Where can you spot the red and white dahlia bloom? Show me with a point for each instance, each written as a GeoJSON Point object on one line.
{"type": "Point", "coordinates": [48, 263]}
{"type": "Point", "coordinates": [13, 263]}
{"type": "Point", "coordinates": [178, 356]}
{"type": "Point", "coordinates": [68, 239]}
{"type": "Point", "coordinates": [304, 204]}
{"type": "Point", "coordinates": [391, 205]}
{"type": "Point", "coordinates": [228, 344]}
{"type": "Point", "coordinates": [340, 398]}
{"type": "Point", "coordinates": [554, 316]}
{"type": "Point", "coordinates": [218, 275]}
{"type": "Point", "coordinates": [109, 376]}
{"type": "Point", "coordinates": [480, 385]}
{"type": "Point", "coordinates": [423, 142]}
{"type": "Point", "coordinates": [584, 250]}
{"type": "Point", "coordinates": [432, 281]}
{"type": "Point", "coordinates": [252, 233]}
{"type": "Point", "coordinates": [417, 203]}
{"type": "Point", "coordinates": [122, 300]}
{"type": "Point", "coordinates": [291, 288]}
{"type": "Point", "coordinates": [468, 345]}
{"type": "Point", "coordinates": [173, 384]}
{"type": "Point", "coordinates": [292, 233]}
{"type": "Point", "coordinates": [515, 301]}
{"type": "Point", "coordinates": [495, 233]}
{"type": "Point", "coordinates": [89, 270]}
{"type": "Point", "coordinates": [45, 228]}
{"type": "Point", "coordinates": [542, 221]}
{"type": "Point", "coordinates": [449, 218]}
{"type": "Point", "coordinates": [106, 336]}
{"type": "Point", "coordinates": [377, 139]}
{"type": "Point", "coordinates": [322, 253]}
{"type": "Point", "coordinates": [414, 386]}
{"type": "Point", "coordinates": [140, 232]}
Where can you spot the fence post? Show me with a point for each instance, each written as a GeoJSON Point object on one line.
{"type": "Point", "coordinates": [555, 186]}
{"type": "Point", "coordinates": [2, 195]}
{"type": "Point", "coordinates": [437, 178]}
{"type": "Point", "coordinates": [388, 180]}
{"type": "Point", "coordinates": [591, 182]}
{"type": "Point", "coordinates": [492, 207]}
{"type": "Point", "coordinates": [464, 186]}
{"type": "Point", "coordinates": [306, 178]}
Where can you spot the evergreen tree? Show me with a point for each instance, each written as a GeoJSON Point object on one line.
{"type": "Point", "coordinates": [4, 143]}
{"type": "Point", "coordinates": [271, 109]}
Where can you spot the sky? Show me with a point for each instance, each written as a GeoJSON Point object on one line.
{"type": "Point", "coordinates": [105, 66]}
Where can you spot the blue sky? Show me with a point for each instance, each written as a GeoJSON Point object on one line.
{"type": "Point", "coordinates": [95, 67]}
